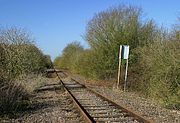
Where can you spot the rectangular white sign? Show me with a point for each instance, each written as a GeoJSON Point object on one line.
{"type": "Point", "coordinates": [125, 52]}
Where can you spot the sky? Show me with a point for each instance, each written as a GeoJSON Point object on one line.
{"type": "Point", "coordinates": [56, 23]}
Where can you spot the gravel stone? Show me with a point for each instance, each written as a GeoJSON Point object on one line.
{"type": "Point", "coordinates": [48, 106]}
{"type": "Point", "coordinates": [145, 107]}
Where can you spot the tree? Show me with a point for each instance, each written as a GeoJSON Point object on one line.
{"type": "Point", "coordinates": [70, 56]}
{"type": "Point", "coordinates": [113, 27]}
{"type": "Point", "coordinates": [19, 54]}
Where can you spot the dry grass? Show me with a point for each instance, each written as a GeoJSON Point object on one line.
{"type": "Point", "coordinates": [18, 56]}
{"type": "Point", "coordinates": [32, 81]}
{"type": "Point", "coordinates": [14, 95]}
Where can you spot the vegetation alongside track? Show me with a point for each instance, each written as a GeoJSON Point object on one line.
{"type": "Point", "coordinates": [154, 56]}
{"type": "Point", "coordinates": [19, 58]}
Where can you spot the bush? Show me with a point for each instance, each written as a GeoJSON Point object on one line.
{"type": "Point", "coordinates": [47, 61]}
{"type": "Point", "coordinates": [160, 73]}
{"type": "Point", "coordinates": [110, 29]}
{"type": "Point", "coordinates": [86, 64]}
{"type": "Point", "coordinates": [12, 96]}
{"type": "Point", "coordinates": [156, 72]}
{"type": "Point", "coordinates": [69, 58]}
{"type": "Point", "coordinates": [105, 32]}
{"type": "Point", "coordinates": [154, 53]}
{"type": "Point", "coordinates": [19, 56]}
{"type": "Point", "coordinates": [57, 62]}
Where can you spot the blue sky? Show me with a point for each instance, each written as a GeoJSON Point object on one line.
{"type": "Point", "coordinates": [55, 23]}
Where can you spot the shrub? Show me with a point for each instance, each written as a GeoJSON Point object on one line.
{"type": "Point", "coordinates": [154, 53]}
{"type": "Point", "coordinates": [69, 58]}
{"type": "Point", "coordinates": [86, 64]}
{"type": "Point", "coordinates": [160, 73]}
{"type": "Point", "coordinates": [57, 62]}
{"type": "Point", "coordinates": [19, 56]}
{"type": "Point", "coordinates": [12, 95]}
{"type": "Point", "coordinates": [113, 27]}
{"type": "Point", "coordinates": [105, 32]}
{"type": "Point", "coordinates": [47, 61]}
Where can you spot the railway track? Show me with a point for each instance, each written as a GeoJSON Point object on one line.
{"type": "Point", "coordinates": [96, 108]}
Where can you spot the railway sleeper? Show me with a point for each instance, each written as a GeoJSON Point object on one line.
{"type": "Point", "coordinates": [101, 108]}
{"type": "Point", "coordinates": [104, 111]}
{"type": "Point", "coordinates": [72, 117]}
{"type": "Point", "coordinates": [66, 105]}
{"type": "Point", "coordinates": [74, 121]}
{"type": "Point", "coordinates": [71, 114]}
{"type": "Point", "coordinates": [117, 119]}
{"type": "Point", "coordinates": [94, 103]}
{"type": "Point", "coordinates": [77, 91]}
{"type": "Point", "coordinates": [106, 115]}
{"type": "Point", "coordinates": [90, 97]}
{"type": "Point", "coordinates": [90, 105]}
{"type": "Point", "coordinates": [99, 104]}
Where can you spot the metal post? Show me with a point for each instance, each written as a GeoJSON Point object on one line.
{"type": "Point", "coordinates": [119, 68]}
{"type": "Point", "coordinates": [125, 81]}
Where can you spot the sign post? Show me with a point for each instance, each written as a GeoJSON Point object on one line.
{"type": "Point", "coordinates": [125, 56]}
{"type": "Point", "coordinates": [123, 53]}
{"type": "Point", "coordinates": [125, 80]}
{"type": "Point", "coordinates": [119, 68]}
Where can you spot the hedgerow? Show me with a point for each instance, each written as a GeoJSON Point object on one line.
{"type": "Point", "coordinates": [19, 56]}
{"type": "Point", "coordinates": [154, 53]}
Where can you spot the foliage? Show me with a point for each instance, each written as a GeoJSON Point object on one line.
{"type": "Point", "coordinates": [154, 62]}
{"type": "Point", "coordinates": [47, 61]}
{"type": "Point", "coordinates": [71, 53]}
{"type": "Point", "coordinates": [113, 27]}
{"type": "Point", "coordinates": [19, 56]}
{"type": "Point", "coordinates": [160, 77]}
{"type": "Point", "coordinates": [156, 72]}
{"type": "Point", "coordinates": [57, 62]}
{"type": "Point", "coordinates": [12, 94]}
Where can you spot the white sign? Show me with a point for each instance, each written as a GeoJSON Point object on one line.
{"type": "Point", "coordinates": [125, 52]}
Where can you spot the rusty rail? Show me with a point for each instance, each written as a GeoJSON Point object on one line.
{"type": "Point", "coordinates": [83, 112]}
{"type": "Point", "coordinates": [87, 116]}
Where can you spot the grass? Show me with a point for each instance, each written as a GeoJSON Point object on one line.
{"type": "Point", "coordinates": [15, 95]}
{"type": "Point", "coordinates": [12, 95]}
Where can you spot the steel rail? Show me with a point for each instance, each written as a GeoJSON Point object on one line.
{"type": "Point", "coordinates": [86, 115]}
{"type": "Point", "coordinates": [83, 112]}
{"type": "Point", "coordinates": [136, 116]}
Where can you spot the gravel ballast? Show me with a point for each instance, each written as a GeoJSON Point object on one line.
{"type": "Point", "coordinates": [48, 106]}
{"type": "Point", "coordinates": [145, 107]}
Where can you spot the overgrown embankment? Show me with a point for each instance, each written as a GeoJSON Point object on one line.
{"type": "Point", "coordinates": [154, 53]}
{"type": "Point", "coordinates": [19, 58]}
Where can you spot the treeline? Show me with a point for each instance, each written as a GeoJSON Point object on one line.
{"type": "Point", "coordinates": [19, 56]}
{"type": "Point", "coordinates": [154, 53]}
